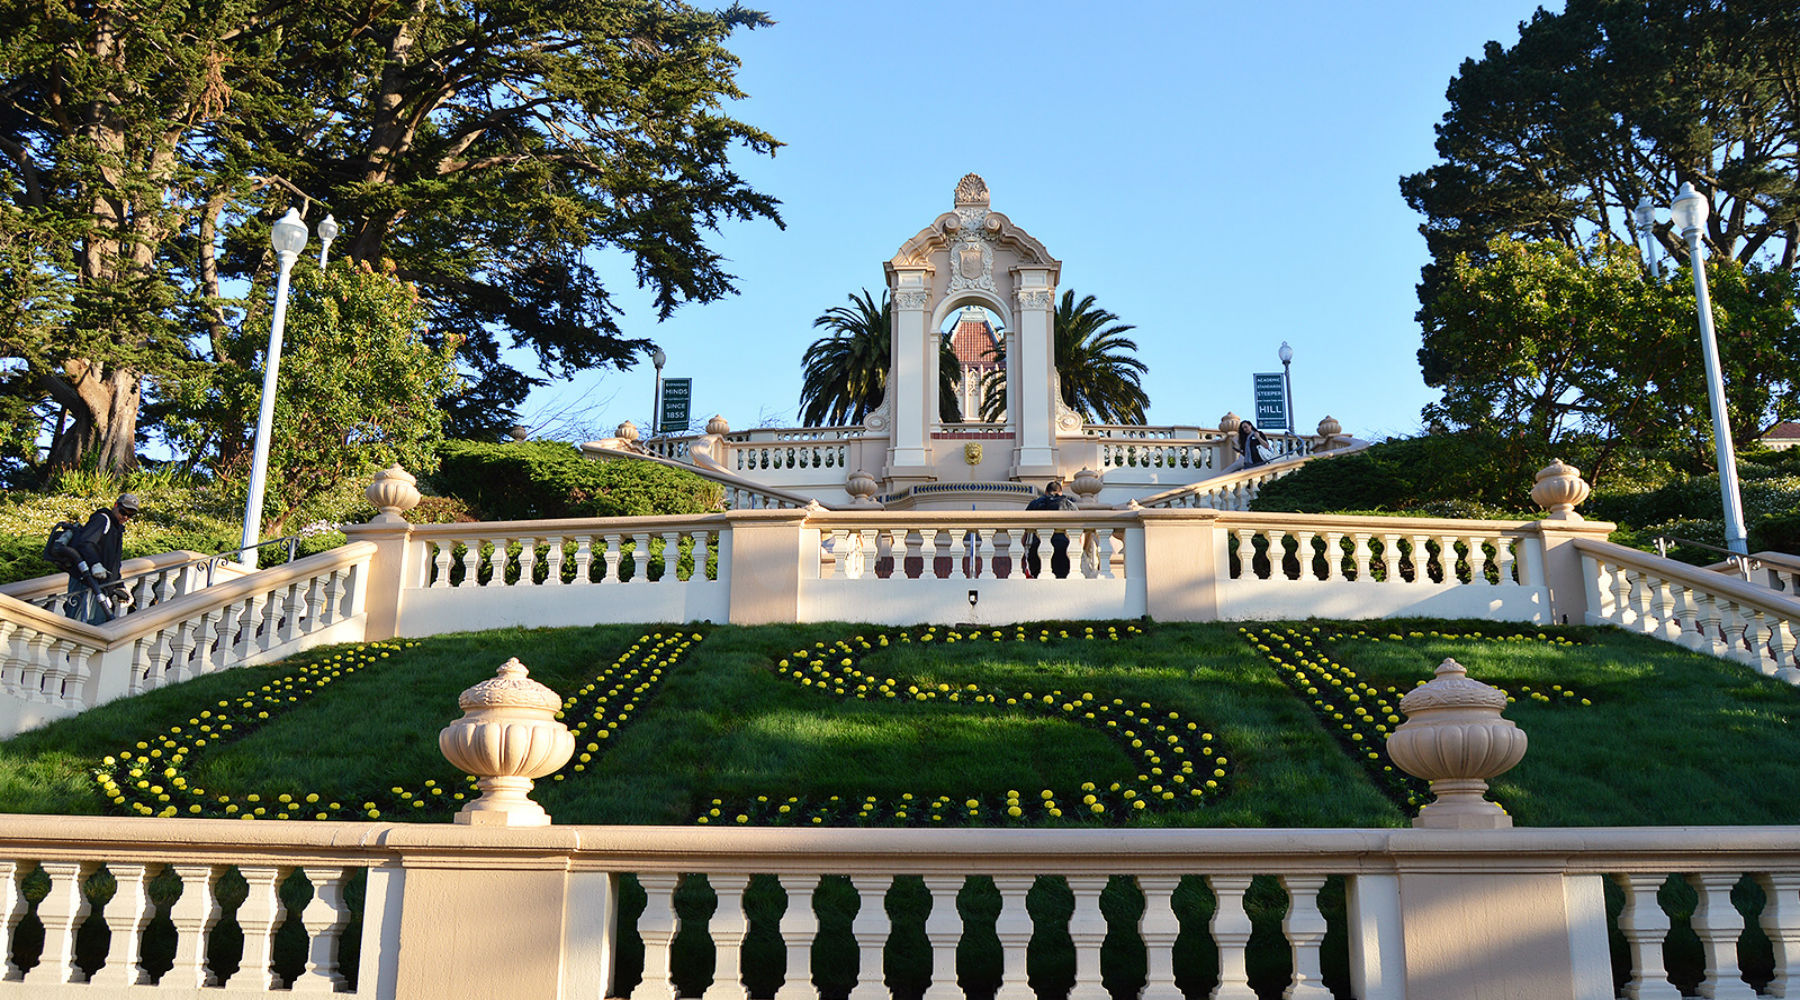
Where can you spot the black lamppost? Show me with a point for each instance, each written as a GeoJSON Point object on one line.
{"type": "Point", "coordinates": [657, 357]}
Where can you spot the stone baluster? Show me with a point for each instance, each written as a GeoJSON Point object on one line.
{"type": "Point", "coordinates": [1782, 641]}
{"type": "Point", "coordinates": [1505, 563]}
{"type": "Point", "coordinates": [1104, 546]}
{"type": "Point", "coordinates": [1246, 552]}
{"type": "Point", "coordinates": [1733, 622]}
{"type": "Point", "coordinates": [1304, 926]}
{"type": "Point", "coordinates": [1621, 611]}
{"type": "Point", "coordinates": [56, 670]}
{"type": "Point", "coordinates": [584, 560]}
{"type": "Point", "coordinates": [1718, 924]}
{"type": "Point", "coordinates": [1448, 559]}
{"type": "Point", "coordinates": [1361, 555]}
{"type": "Point", "coordinates": [553, 560]}
{"type": "Point", "coordinates": [615, 558]}
{"type": "Point", "coordinates": [671, 554]}
{"type": "Point", "coordinates": [1711, 624]}
{"type": "Point", "coordinates": [527, 563]}
{"type": "Point", "coordinates": [928, 550]}
{"type": "Point", "coordinates": [9, 661]}
{"type": "Point", "coordinates": [440, 562]}
{"type": "Point", "coordinates": [1478, 559]}
{"type": "Point", "coordinates": [1756, 639]}
{"type": "Point", "coordinates": [1686, 615]}
{"type": "Point", "coordinates": [1780, 920]}
{"type": "Point", "coordinates": [312, 615]}
{"type": "Point", "coordinates": [1231, 932]}
{"type": "Point", "coordinates": [868, 546]}
{"type": "Point", "coordinates": [799, 926]}
{"type": "Point", "coordinates": [1087, 930]}
{"type": "Point", "coordinates": [728, 928]}
{"type": "Point", "coordinates": [206, 640]}
{"type": "Point", "coordinates": [943, 928]}
{"type": "Point", "coordinates": [181, 651]}
{"type": "Point", "coordinates": [840, 551]}
{"type": "Point", "coordinates": [1664, 624]}
{"type": "Point", "coordinates": [1644, 926]}
{"type": "Point", "coordinates": [870, 929]}
{"type": "Point", "coordinates": [1334, 555]}
{"type": "Point", "coordinates": [1306, 557]}
{"type": "Point", "coordinates": [193, 915]}
{"type": "Point", "coordinates": [657, 927]}
{"type": "Point", "coordinates": [898, 551]}
{"type": "Point", "coordinates": [128, 913]}
{"type": "Point", "coordinates": [1013, 928]}
{"type": "Point", "coordinates": [61, 911]}
{"type": "Point", "coordinates": [146, 664]}
{"type": "Point", "coordinates": [703, 546]}
{"type": "Point", "coordinates": [12, 910]}
{"type": "Point", "coordinates": [640, 557]}
{"type": "Point", "coordinates": [259, 916]}
{"type": "Point", "coordinates": [337, 594]}
{"type": "Point", "coordinates": [984, 565]}
{"type": "Point", "coordinates": [1639, 601]}
{"type": "Point", "coordinates": [226, 650]}
{"type": "Point", "coordinates": [1158, 928]}
{"type": "Point", "coordinates": [293, 607]}
{"type": "Point", "coordinates": [325, 917]}
{"type": "Point", "coordinates": [471, 563]}
{"type": "Point", "coordinates": [1421, 558]}
{"type": "Point", "coordinates": [1277, 553]}
{"type": "Point", "coordinates": [81, 670]}
{"type": "Point", "coordinates": [499, 554]}
{"type": "Point", "coordinates": [1390, 558]}
{"type": "Point", "coordinates": [31, 669]}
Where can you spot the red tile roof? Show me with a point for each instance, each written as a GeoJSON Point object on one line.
{"type": "Point", "coordinates": [972, 339]}
{"type": "Point", "coordinates": [1786, 430]}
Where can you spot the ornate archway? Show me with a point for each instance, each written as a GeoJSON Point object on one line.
{"type": "Point", "coordinates": [972, 255]}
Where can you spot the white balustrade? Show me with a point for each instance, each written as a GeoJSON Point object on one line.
{"type": "Point", "coordinates": [1695, 608]}
{"type": "Point", "coordinates": [1265, 887]}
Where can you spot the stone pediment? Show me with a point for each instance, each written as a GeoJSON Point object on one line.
{"type": "Point", "coordinates": [970, 236]}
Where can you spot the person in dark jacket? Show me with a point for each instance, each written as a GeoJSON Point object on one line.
{"type": "Point", "coordinates": [100, 545]}
{"type": "Point", "coordinates": [1053, 499]}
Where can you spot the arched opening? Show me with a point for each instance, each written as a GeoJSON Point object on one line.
{"type": "Point", "coordinates": [976, 335]}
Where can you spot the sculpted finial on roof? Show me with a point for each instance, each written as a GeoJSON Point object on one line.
{"type": "Point", "coordinates": [971, 190]}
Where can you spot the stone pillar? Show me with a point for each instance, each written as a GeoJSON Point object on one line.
{"type": "Point", "coordinates": [1558, 490]}
{"type": "Point", "coordinates": [394, 492]}
{"type": "Point", "coordinates": [770, 552]}
{"type": "Point", "coordinates": [1031, 385]}
{"type": "Point", "coordinates": [912, 386]}
{"type": "Point", "coordinates": [1184, 557]}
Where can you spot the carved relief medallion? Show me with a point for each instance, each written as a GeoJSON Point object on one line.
{"type": "Point", "coordinates": [972, 452]}
{"type": "Point", "coordinates": [1039, 298]}
{"type": "Point", "coordinates": [911, 299]}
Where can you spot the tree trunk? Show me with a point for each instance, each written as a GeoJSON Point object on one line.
{"type": "Point", "coordinates": [104, 408]}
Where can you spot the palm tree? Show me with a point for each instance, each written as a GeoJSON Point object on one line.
{"type": "Point", "coordinates": [844, 375]}
{"type": "Point", "coordinates": [1100, 377]}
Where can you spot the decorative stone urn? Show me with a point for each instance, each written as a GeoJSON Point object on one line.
{"type": "Point", "coordinates": [861, 486]}
{"type": "Point", "coordinates": [1086, 486]}
{"type": "Point", "coordinates": [394, 491]}
{"type": "Point", "coordinates": [1228, 423]}
{"type": "Point", "coordinates": [508, 737]}
{"type": "Point", "coordinates": [1454, 738]}
{"type": "Point", "coordinates": [1559, 489]}
{"type": "Point", "coordinates": [718, 425]}
{"type": "Point", "coordinates": [627, 432]}
{"type": "Point", "coordinates": [1329, 427]}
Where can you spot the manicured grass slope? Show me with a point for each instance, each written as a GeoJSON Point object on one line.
{"type": "Point", "coordinates": [1669, 737]}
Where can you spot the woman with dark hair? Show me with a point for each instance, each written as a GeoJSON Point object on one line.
{"type": "Point", "coordinates": [1250, 445]}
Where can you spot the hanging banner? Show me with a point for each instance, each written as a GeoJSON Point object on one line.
{"type": "Point", "coordinates": [676, 394]}
{"type": "Point", "coordinates": [1271, 401]}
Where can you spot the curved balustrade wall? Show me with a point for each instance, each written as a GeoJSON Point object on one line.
{"type": "Point", "coordinates": [102, 907]}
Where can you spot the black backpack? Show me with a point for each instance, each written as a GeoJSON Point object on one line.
{"type": "Point", "coordinates": [59, 548]}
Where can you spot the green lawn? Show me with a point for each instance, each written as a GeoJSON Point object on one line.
{"type": "Point", "coordinates": [1027, 726]}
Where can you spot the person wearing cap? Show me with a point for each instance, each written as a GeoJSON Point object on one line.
{"type": "Point", "coordinates": [101, 546]}
{"type": "Point", "coordinates": [1051, 500]}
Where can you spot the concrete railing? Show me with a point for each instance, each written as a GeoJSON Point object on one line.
{"type": "Point", "coordinates": [1691, 606]}
{"type": "Point", "coordinates": [1234, 491]}
{"type": "Point", "coordinates": [740, 493]}
{"type": "Point", "coordinates": [1778, 571]}
{"type": "Point", "coordinates": [535, 912]}
{"type": "Point", "coordinates": [51, 667]}
{"type": "Point", "coordinates": [150, 580]}
{"type": "Point", "coordinates": [907, 567]}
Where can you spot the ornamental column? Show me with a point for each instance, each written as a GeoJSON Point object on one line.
{"type": "Point", "coordinates": [1031, 385]}
{"type": "Point", "coordinates": [912, 386]}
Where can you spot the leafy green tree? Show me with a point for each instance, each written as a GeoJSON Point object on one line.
{"type": "Point", "coordinates": [486, 148]}
{"type": "Point", "coordinates": [844, 375]}
{"type": "Point", "coordinates": [1539, 344]}
{"type": "Point", "coordinates": [1099, 376]}
{"type": "Point", "coordinates": [357, 388]}
{"type": "Point", "coordinates": [1559, 136]}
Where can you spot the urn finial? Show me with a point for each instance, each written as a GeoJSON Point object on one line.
{"type": "Point", "coordinates": [1454, 738]}
{"type": "Point", "coordinates": [508, 737]}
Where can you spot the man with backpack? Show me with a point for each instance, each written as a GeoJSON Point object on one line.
{"type": "Point", "coordinates": [92, 556]}
{"type": "Point", "coordinates": [1053, 500]}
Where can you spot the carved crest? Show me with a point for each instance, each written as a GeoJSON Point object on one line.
{"type": "Point", "coordinates": [971, 190]}
{"type": "Point", "coordinates": [972, 452]}
{"type": "Point", "coordinates": [968, 262]}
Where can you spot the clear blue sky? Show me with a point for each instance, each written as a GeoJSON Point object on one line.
{"type": "Point", "coordinates": [1222, 176]}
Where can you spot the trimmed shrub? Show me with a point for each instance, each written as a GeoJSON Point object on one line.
{"type": "Point", "coordinates": [540, 479]}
